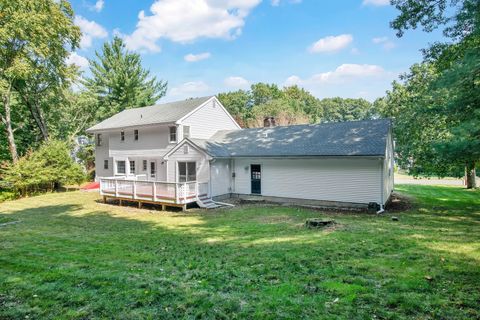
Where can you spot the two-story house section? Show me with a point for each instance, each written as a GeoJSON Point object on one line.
{"type": "Point", "coordinates": [133, 143]}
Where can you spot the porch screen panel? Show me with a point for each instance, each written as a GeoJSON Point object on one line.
{"type": "Point", "coordinates": [191, 171]}
{"type": "Point", "coordinates": [182, 172]}
{"type": "Point", "coordinates": [187, 171]}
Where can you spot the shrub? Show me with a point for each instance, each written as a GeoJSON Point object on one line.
{"type": "Point", "coordinates": [46, 169]}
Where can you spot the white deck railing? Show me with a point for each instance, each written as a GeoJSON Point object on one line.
{"type": "Point", "coordinates": [156, 191]}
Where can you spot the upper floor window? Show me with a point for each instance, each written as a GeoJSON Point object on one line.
{"type": "Point", "coordinates": [99, 139]}
{"type": "Point", "coordinates": [135, 135]}
{"type": "Point", "coordinates": [122, 135]}
{"type": "Point", "coordinates": [186, 132]}
{"type": "Point", "coordinates": [144, 165]}
{"type": "Point", "coordinates": [173, 134]}
{"type": "Point", "coordinates": [121, 167]}
{"type": "Point", "coordinates": [105, 164]}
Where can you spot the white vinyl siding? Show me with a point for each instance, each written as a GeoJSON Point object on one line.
{"type": "Point", "coordinates": [344, 180]}
{"type": "Point", "coordinates": [209, 119]}
{"type": "Point", "coordinates": [152, 142]}
{"type": "Point", "coordinates": [102, 154]}
{"type": "Point", "coordinates": [220, 177]}
{"type": "Point", "coordinates": [202, 164]}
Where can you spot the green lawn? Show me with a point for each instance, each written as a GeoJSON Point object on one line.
{"type": "Point", "coordinates": [71, 257]}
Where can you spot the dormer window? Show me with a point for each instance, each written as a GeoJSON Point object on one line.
{"type": "Point", "coordinates": [135, 135]}
{"type": "Point", "coordinates": [122, 136]}
{"type": "Point", "coordinates": [173, 134]}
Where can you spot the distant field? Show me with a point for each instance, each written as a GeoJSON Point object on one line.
{"type": "Point", "coordinates": [71, 257]}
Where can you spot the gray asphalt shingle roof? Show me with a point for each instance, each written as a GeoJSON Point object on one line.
{"type": "Point", "coordinates": [157, 114]}
{"type": "Point", "coordinates": [353, 138]}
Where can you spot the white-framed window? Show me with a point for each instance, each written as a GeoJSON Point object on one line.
{"type": "Point", "coordinates": [135, 135]}
{"type": "Point", "coordinates": [121, 167]}
{"type": "Point", "coordinates": [144, 165]}
{"type": "Point", "coordinates": [187, 171]}
{"type": "Point", "coordinates": [186, 132]}
{"type": "Point", "coordinates": [122, 136]}
{"type": "Point", "coordinates": [99, 139]}
{"type": "Point", "coordinates": [132, 166]}
{"type": "Point", "coordinates": [105, 164]}
{"type": "Point", "coordinates": [172, 134]}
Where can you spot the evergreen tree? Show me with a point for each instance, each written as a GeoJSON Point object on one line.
{"type": "Point", "coordinates": [120, 82]}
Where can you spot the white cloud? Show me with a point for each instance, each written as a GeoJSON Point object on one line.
{"type": "Point", "coordinates": [376, 2]}
{"type": "Point", "coordinates": [237, 82]}
{"type": "Point", "coordinates": [386, 43]}
{"type": "Point", "coordinates": [90, 30]}
{"type": "Point", "coordinates": [276, 3]}
{"type": "Point", "coordinates": [331, 43]}
{"type": "Point", "coordinates": [188, 89]}
{"type": "Point", "coordinates": [187, 20]}
{"type": "Point", "coordinates": [98, 6]}
{"type": "Point", "coordinates": [197, 57]}
{"type": "Point", "coordinates": [77, 60]}
{"type": "Point", "coordinates": [344, 73]}
{"type": "Point", "coordinates": [347, 80]}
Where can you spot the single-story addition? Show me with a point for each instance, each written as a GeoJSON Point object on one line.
{"type": "Point", "coordinates": [194, 151]}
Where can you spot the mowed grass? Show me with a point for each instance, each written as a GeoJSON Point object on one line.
{"type": "Point", "coordinates": [73, 258]}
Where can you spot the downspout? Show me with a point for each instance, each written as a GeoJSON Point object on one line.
{"type": "Point", "coordinates": [382, 169]}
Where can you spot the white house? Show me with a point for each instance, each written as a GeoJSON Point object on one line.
{"type": "Point", "coordinates": [194, 151]}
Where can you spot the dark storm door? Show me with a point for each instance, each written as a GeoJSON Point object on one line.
{"type": "Point", "coordinates": [256, 177]}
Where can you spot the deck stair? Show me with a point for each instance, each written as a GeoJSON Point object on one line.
{"type": "Point", "coordinates": [206, 202]}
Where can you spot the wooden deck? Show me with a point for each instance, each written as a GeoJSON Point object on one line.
{"type": "Point", "coordinates": [157, 192]}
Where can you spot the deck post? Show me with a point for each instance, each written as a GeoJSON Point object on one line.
{"type": "Point", "coordinates": [164, 207]}
{"type": "Point", "coordinates": [134, 189]}
{"type": "Point", "coordinates": [120, 202]}
{"type": "Point", "coordinates": [116, 188]}
{"type": "Point", "coordinates": [154, 192]}
{"type": "Point", "coordinates": [139, 204]}
{"type": "Point", "coordinates": [184, 192]}
{"type": "Point", "coordinates": [196, 189]}
{"type": "Point", "coordinates": [176, 193]}
{"type": "Point", "coordinates": [104, 199]}
{"type": "Point", "coordinates": [184, 207]}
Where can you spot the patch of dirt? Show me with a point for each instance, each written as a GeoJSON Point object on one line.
{"type": "Point", "coordinates": [398, 203]}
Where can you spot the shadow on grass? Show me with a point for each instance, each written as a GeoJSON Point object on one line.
{"type": "Point", "coordinates": [66, 261]}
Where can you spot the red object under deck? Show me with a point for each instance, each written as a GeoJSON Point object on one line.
{"type": "Point", "coordinates": [91, 186]}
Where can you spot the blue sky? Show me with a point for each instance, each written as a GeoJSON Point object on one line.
{"type": "Point", "coordinates": [332, 48]}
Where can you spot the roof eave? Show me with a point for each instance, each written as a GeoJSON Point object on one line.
{"type": "Point", "coordinates": [92, 130]}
